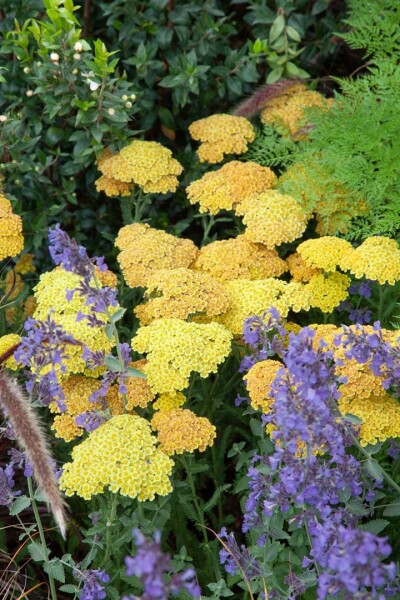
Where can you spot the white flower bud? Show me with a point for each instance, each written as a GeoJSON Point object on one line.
{"type": "Point", "coordinates": [111, 112]}
{"type": "Point", "coordinates": [27, 70]}
{"type": "Point", "coordinates": [3, 118]}
{"type": "Point", "coordinates": [77, 56]}
{"type": "Point", "coordinates": [128, 104]}
{"type": "Point", "coordinates": [54, 57]}
{"type": "Point", "coordinates": [29, 93]}
{"type": "Point", "coordinates": [133, 97]}
{"type": "Point", "coordinates": [75, 71]}
{"type": "Point", "coordinates": [78, 47]}
{"type": "Point", "coordinates": [124, 98]}
{"type": "Point", "coordinates": [93, 85]}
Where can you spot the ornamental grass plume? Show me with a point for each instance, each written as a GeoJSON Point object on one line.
{"type": "Point", "coordinates": [30, 435]}
{"type": "Point", "coordinates": [122, 456]}
{"type": "Point", "coordinates": [11, 238]}
{"type": "Point", "coordinates": [324, 253]}
{"type": "Point", "coordinates": [238, 258]}
{"type": "Point", "coordinates": [181, 294]}
{"type": "Point", "coordinates": [145, 250]}
{"type": "Point", "coordinates": [230, 185]}
{"type": "Point", "coordinates": [176, 348]}
{"type": "Point", "coordinates": [287, 113]}
{"type": "Point", "coordinates": [180, 431]}
{"type": "Point", "coordinates": [272, 218]}
{"type": "Point", "coordinates": [220, 135]}
{"type": "Point", "coordinates": [377, 258]}
{"type": "Point", "coordinates": [148, 165]}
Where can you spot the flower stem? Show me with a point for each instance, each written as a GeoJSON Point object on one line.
{"type": "Point", "coordinates": [110, 522]}
{"type": "Point", "coordinates": [41, 535]}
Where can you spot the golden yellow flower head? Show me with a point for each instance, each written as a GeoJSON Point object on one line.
{"type": "Point", "coordinates": [25, 265]}
{"type": "Point", "coordinates": [324, 253]}
{"type": "Point", "coordinates": [176, 348]}
{"type": "Point", "coordinates": [230, 185]}
{"type": "Point", "coordinates": [121, 455]}
{"type": "Point", "coordinates": [299, 269]}
{"type": "Point", "coordinates": [287, 111]}
{"type": "Point", "coordinates": [145, 250]}
{"type": "Point", "coordinates": [273, 218]}
{"type": "Point", "coordinates": [221, 134]}
{"type": "Point", "coordinates": [149, 165]}
{"type": "Point", "coordinates": [238, 258]}
{"type": "Point", "coordinates": [50, 295]}
{"type": "Point", "coordinates": [380, 417]}
{"type": "Point", "coordinates": [11, 238]}
{"type": "Point", "coordinates": [170, 401]}
{"type": "Point", "coordinates": [258, 383]}
{"type": "Point", "coordinates": [377, 258]}
{"type": "Point", "coordinates": [327, 291]}
{"type": "Point", "coordinates": [11, 286]}
{"type": "Point", "coordinates": [113, 187]}
{"type": "Point", "coordinates": [106, 278]}
{"type": "Point", "coordinates": [7, 342]}
{"type": "Point", "coordinates": [138, 391]}
{"type": "Point", "coordinates": [182, 293]}
{"type": "Point", "coordinates": [255, 297]}
{"type": "Point", "coordinates": [180, 431]}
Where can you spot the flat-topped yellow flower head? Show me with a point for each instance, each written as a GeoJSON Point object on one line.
{"type": "Point", "coordinates": [180, 431]}
{"type": "Point", "coordinates": [220, 135]}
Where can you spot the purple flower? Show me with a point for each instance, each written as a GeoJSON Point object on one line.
{"type": "Point", "coordinates": [236, 559]}
{"type": "Point", "coordinates": [90, 420]}
{"type": "Point", "coordinates": [361, 289]}
{"type": "Point", "coordinates": [92, 580]}
{"type": "Point", "coordinates": [7, 494]}
{"type": "Point", "coordinates": [264, 335]}
{"type": "Point", "coordinates": [151, 564]}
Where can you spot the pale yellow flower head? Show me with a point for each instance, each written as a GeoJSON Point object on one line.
{"type": "Point", "coordinates": [324, 253]}
{"type": "Point", "coordinates": [238, 258]}
{"type": "Point", "coordinates": [149, 165]}
{"type": "Point", "coordinates": [169, 401]}
{"type": "Point", "coordinates": [258, 383]}
{"type": "Point", "coordinates": [327, 291]}
{"type": "Point", "coordinates": [377, 258]}
{"type": "Point", "coordinates": [122, 456]}
{"type": "Point", "coordinates": [145, 250]}
{"type": "Point", "coordinates": [273, 218]}
{"type": "Point", "coordinates": [230, 185]}
{"type": "Point", "coordinates": [182, 293]}
{"type": "Point", "coordinates": [220, 135]}
{"type": "Point", "coordinates": [180, 431]}
{"type": "Point", "coordinates": [176, 348]}
{"type": "Point", "coordinates": [7, 342]}
{"type": "Point", "coordinates": [11, 238]}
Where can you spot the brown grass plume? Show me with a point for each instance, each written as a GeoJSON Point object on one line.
{"type": "Point", "coordinates": [252, 105]}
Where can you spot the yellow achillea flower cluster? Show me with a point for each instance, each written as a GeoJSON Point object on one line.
{"type": "Point", "coordinates": [176, 348]}
{"type": "Point", "coordinates": [221, 134]}
{"type": "Point", "coordinates": [120, 455]}
{"type": "Point", "coordinates": [50, 294]}
{"type": "Point", "coordinates": [7, 342]}
{"type": "Point", "coordinates": [145, 250]}
{"type": "Point", "coordinates": [327, 291]}
{"type": "Point", "coordinates": [11, 238]}
{"type": "Point", "coordinates": [170, 401]}
{"type": "Point", "coordinates": [325, 252]}
{"type": "Point", "coordinates": [138, 391]}
{"type": "Point", "coordinates": [25, 265]}
{"type": "Point", "coordinates": [230, 185]}
{"type": "Point", "coordinates": [377, 258]}
{"type": "Point", "coordinates": [149, 165]}
{"type": "Point", "coordinates": [299, 269]}
{"type": "Point", "coordinates": [180, 431]}
{"type": "Point", "coordinates": [255, 297]}
{"type": "Point", "coordinates": [182, 293]}
{"type": "Point", "coordinates": [238, 258]}
{"type": "Point", "coordinates": [106, 278]}
{"type": "Point", "coordinates": [380, 416]}
{"type": "Point", "coordinates": [273, 218]}
{"type": "Point", "coordinates": [287, 111]}
{"type": "Point", "coordinates": [258, 383]}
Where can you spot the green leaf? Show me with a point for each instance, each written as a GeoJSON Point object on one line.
{"type": "Point", "coordinates": [55, 569]}
{"type": "Point", "coordinates": [38, 552]}
{"type": "Point", "coordinates": [393, 510]}
{"type": "Point", "coordinates": [117, 315]}
{"type": "Point", "coordinates": [275, 75]}
{"type": "Point", "coordinates": [113, 364]}
{"type": "Point", "coordinates": [349, 418]}
{"type": "Point", "coordinates": [277, 28]}
{"type": "Point", "coordinates": [68, 588]}
{"type": "Point", "coordinates": [374, 469]}
{"type": "Point", "coordinates": [109, 331]}
{"type": "Point", "coordinates": [135, 373]}
{"type": "Point", "coordinates": [293, 34]}
{"type": "Point", "coordinates": [375, 526]}
{"type": "Point", "coordinates": [20, 504]}
{"type": "Point", "coordinates": [216, 496]}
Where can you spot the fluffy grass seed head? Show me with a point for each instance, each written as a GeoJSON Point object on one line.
{"type": "Point", "coordinates": [11, 238]}
{"type": "Point", "coordinates": [258, 383]}
{"type": "Point", "coordinates": [149, 165]}
{"type": "Point", "coordinates": [326, 292]}
{"type": "Point", "coordinates": [7, 342]}
{"type": "Point", "coordinates": [145, 250]}
{"type": "Point", "coordinates": [122, 456]}
{"type": "Point", "coordinates": [377, 258]}
{"type": "Point", "coordinates": [176, 348]}
{"type": "Point", "coordinates": [273, 218]}
{"type": "Point", "coordinates": [220, 135]}
{"type": "Point", "coordinates": [238, 258]}
{"type": "Point", "coordinates": [324, 253]}
{"type": "Point", "coordinates": [180, 431]}
{"type": "Point", "coordinates": [299, 269]}
{"type": "Point", "coordinates": [230, 185]}
{"type": "Point", "coordinates": [182, 293]}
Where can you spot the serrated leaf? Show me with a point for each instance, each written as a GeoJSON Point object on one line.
{"type": "Point", "coordinates": [68, 588]}
{"type": "Point", "coordinates": [374, 469]}
{"type": "Point", "coordinates": [20, 504]}
{"type": "Point", "coordinates": [393, 510]}
{"type": "Point", "coordinates": [109, 331]}
{"type": "Point", "coordinates": [216, 496]}
{"type": "Point", "coordinates": [38, 552]}
{"type": "Point", "coordinates": [375, 526]}
{"type": "Point", "coordinates": [55, 569]}
{"type": "Point", "coordinates": [117, 315]}
{"type": "Point", "coordinates": [113, 364]}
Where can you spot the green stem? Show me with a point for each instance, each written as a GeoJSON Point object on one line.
{"type": "Point", "coordinates": [208, 224]}
{"type": "Point", "coordinates": [110, 522]}
{"type": "Point", "coordinates": [41, 535]}
{"type": "Point", "coordinates": [195, 501]}
{"type": "Point", "coordinates": [380, 308]}
{"type": "Point", "coordinates": [126, 209]}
